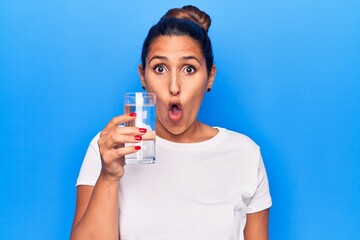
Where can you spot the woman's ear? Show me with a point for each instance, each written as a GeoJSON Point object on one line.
{"type": "Point", "coordinates": [211, 78]}
{"type": "Point", "coordinates": [141, 72]}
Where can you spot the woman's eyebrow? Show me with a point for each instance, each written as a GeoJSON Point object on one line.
{"type": "Point", "coordinates": [158, 57]}
{"type": "Point", "coordinates": [191, 57]}
{"type": "Point", "coordinates": [183, 58]}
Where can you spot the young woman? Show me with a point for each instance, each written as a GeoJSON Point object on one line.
{"type": "Point", "coordinates": [207, 183]}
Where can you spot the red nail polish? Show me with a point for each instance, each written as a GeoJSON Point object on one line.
{"type": "Point", "coordinates": [138, 138]}
{"type": "Point", "coordinates": [132, 114]}
{"type": "Point", "coordinates": [137, 147]}
{"type": "Point", "coordinates": [142, 130]}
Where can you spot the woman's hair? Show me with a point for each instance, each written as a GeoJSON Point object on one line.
{"type": "Point", "coordinates": [186, 21]}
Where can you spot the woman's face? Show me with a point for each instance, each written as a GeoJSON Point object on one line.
{"type": "Point", "coordinates": [176, 72]}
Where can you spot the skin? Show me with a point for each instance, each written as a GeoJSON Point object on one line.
{"type": "Point", "coordinates": [96, 214]}
{"type": "Point", "coordinates": [256, 227]}
{"type": "Point", "coordinates": [176, 72]}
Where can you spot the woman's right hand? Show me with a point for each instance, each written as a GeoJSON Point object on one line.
{"type": "Point", "coordinates": [112, 145]}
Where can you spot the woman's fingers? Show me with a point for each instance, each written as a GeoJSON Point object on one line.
{"type": "Point", "coordinates": [113, 138]}
{"type": "Point", "coordinates": [121, 135]}
{"type": "Point", "coordinates": [116, 121]}
{"type": "Point", "coordinates": [119, 153]}
{"type": "Point", "coordinates": [130, 130]}
{"type": "Point", "coordinates": [112, 144]}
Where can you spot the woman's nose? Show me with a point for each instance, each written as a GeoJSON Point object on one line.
{"type": "Point", "coordinates": [174, 85]}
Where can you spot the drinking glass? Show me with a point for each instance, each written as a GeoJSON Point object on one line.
{"type": "Point", "coordinates": [143, 104]}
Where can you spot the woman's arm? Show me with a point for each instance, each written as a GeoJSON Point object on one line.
{"type": "Point", "coordinates": [97, 208]}
{"type": "Point", "coordinates": [257, 226]}
{"type": "Point", "coordinates": [96, 215]}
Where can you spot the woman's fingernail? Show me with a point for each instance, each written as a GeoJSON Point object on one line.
{"type": "Point", "coordinates": [137, 147]}
{"type": "Point", "coordinates": [132, 114]}
{"type": "Point", "coordinates": [142, 130]}
{"type": "Point", "coordinates": [138, 138]}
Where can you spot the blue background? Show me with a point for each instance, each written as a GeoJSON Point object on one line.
{"type": "Point", "coordinates": [288, 77]}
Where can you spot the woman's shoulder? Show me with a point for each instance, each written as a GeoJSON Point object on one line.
{"type": "Point", "coordinates": [94, 141]}
{"type": "Point", "coordinates": [238, 138]}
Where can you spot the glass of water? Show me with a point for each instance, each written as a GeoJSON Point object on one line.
{"type": "Point", "coordinates": [143, 104]}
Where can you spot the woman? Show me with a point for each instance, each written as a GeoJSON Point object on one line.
{"type": "Point", "coordinates": [207, 183]}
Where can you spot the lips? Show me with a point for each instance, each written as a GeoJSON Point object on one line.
{"type": "Point", "coordinates": [175, 111]}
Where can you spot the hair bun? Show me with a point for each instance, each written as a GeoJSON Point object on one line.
{"type": "Point", "coordinates": [191, 13]}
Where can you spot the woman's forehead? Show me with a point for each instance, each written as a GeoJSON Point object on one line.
{"type": "Point", "coordinates": [174, 46]}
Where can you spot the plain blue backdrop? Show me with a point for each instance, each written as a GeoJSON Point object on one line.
{"type": "Point", "coordinates": [288, 77]}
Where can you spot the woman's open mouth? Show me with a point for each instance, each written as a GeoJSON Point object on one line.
{"type": "Point", "coordinates": [175, 111]}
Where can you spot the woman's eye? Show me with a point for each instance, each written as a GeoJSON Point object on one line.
{"type": "Point", "coordinates": [190, 69]}
{"type": "Point", "coordinates": [159, 69]}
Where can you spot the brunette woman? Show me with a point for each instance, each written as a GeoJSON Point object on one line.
{"type": "Point", "coordinates": [207, 182]}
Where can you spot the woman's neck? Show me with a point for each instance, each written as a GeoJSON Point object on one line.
{"type": "Point", "coordinates": [197, 132]}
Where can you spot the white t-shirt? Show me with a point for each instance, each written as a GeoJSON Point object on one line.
{"type": "Point", "coordinates": [194, 191]}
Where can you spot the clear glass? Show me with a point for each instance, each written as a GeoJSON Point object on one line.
{"type": "Point", "coordinates": [143, 104]}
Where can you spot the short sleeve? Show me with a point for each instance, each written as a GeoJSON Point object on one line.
{"type": "Point", "coordinates": [91, 166]}
{"type": "Point", "coordinates": [261, 200]}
